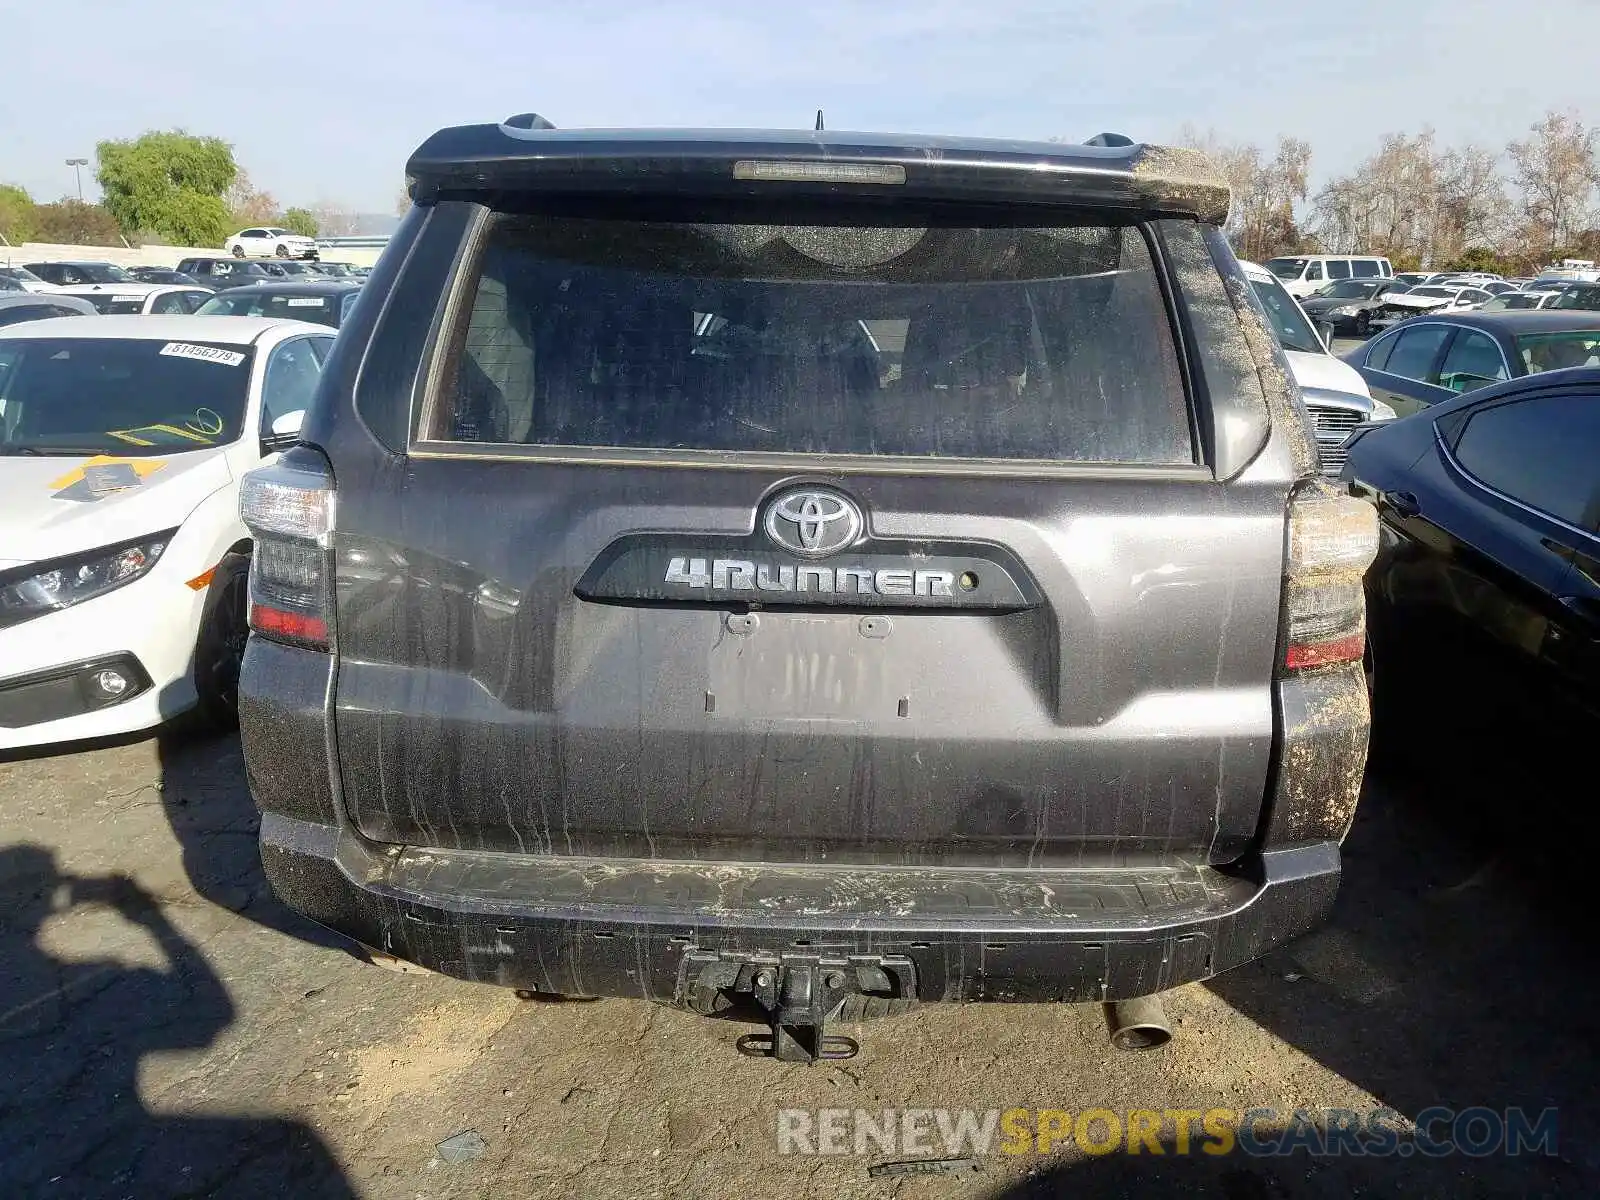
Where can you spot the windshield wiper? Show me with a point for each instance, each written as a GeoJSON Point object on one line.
{"type": "Point", "coordinates": [51, 451]}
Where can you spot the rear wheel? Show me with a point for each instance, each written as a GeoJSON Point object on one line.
{"type": "Point", "coordinates": [219, 651]}
{"type": "Point", "coordinates": [238, 251]}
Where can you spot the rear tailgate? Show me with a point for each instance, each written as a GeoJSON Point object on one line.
{"type": "Point", "coordinates": [798, 542]}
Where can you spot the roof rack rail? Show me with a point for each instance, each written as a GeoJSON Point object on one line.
{"type": "Point", "coordinates": [1109, 139]}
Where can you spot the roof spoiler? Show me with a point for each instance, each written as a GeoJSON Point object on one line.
{"type": "Point", "coordinates": [527, 153]}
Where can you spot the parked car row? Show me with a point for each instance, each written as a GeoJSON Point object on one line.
{"type": "Point", "coordinates": [1361, 307]}
{"type": "Point", "coordinates": [201, 271]}
{"type": "Point", "coordinates": [1336, 396]}
{"type": "Point", "coordinates": [321, 293]}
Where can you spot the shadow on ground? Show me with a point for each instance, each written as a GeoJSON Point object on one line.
{"type": "Point", "coordinates": [208, 806]}
{"type": "Point", "coordinates": [1457, 971]}
{"type": "Point", "coordinates": [73, 1032]}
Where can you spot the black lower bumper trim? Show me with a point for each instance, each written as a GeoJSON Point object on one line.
{"type": "Point", "coordinates": [626, 928]}
{"type": "Point", "coordinates": [69, 690]}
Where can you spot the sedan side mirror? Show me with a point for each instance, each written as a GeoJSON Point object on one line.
{"type": "Point", "coordinates": [284, 431]}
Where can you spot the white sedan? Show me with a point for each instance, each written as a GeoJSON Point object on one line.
{"type": "Point", "coordinates": [154, 299]}
{"type": "Point", "coordinates": [122, 557]}
{"type": "Point", "coordinates": [270, 242]}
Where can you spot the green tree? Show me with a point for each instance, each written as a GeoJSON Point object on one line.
{"type": "Point", "coordinates": [70, 222]}
{"type": "Point", "coordinates": [17, 214]}
{"type": "Point", "coordinates": [170, 183]}
{"type": "Point", "coordinates": [1476, 258]}
{"type": "Point", "coordinates": [298, 220]}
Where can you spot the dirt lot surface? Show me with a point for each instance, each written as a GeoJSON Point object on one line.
{"type": "Point", "coordinates": [177, 1032]}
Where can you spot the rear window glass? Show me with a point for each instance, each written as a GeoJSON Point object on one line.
{"type": "Point", "coordinates": [114, 305]}
{"type": "Point", "coordinates": [319, 309]}
{"type": "Point", "coordinates": [942, 341]}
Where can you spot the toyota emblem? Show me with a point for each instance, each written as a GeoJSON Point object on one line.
{"type": "Point", "coordinates": [813, 522]}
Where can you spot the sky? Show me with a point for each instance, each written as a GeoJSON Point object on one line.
{"type": "Point", "coordinates": [323, 100]}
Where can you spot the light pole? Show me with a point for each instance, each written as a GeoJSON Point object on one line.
{"type": "Point", "coordinates": [76, 164]}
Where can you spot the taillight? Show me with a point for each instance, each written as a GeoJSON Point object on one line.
{"type": "Point", "coordinates": [288, 508]}
{"type": "Point", "coordinates": [1333, 538]}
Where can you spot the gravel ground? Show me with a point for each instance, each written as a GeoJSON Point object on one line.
{"type": "Point", "coordinates": [178, 1032]}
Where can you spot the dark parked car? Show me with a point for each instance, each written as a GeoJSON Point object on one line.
{"type": "Point", "coordinates": [224, 272]}
{"type": "Point", "coordinates": [809, 576]}
{"type": "Point", "coordinates": [303, 272]}
{"type": "Point", "coordinates": [72, 274]}
{"type": "Point", "coordinates": [1427, 360]}
{"type": "Point", "coordinates": [323, 302]}
{"type": "Point", "coordinates": [16, 307]}
{"type": "Point", "coordinates": [1349, 304]}
{"type": "Point", "coordinates": [163, 275]}
{"type": "Point", "coordinates": [334, 270]}
{"type": "Point", "coordinates": [1487, 589]}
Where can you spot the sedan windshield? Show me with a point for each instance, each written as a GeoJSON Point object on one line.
{"type": "Point", "coordinates": [124, 396]}
{"type": "Point", "coordinates": [1288, 322]}
{"type": "Point", "coordinates": [324, 309]}
{"type": "Point", "coordinates": [113, 304]}
{"type": "Point", "coordinates": [1511, 300]}
{"type": "Point", "coordinates": [104, 273]}
{"type": "Point", "coordinates": [1587, 298]}
{"type": "Point", "coordinates": [1286, 268]}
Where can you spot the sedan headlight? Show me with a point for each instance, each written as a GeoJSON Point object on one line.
{"type": "Point", "coordinates": [1349, 310]}
{"type": "Point", "coordinates": [1381, 411]}
{"type": "Point", "coordinates": [43, 587]}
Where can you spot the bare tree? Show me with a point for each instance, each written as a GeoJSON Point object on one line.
{"type": "Point", "coordinates": [1470, 207]}
{"type": "Point", "coordinates": [1387, 205]}
{"type": "Point", "coordinates": [333, 220]}
{"type": "Point", "coordinates": [248, 206]}
{"type": "Point", "coordinates": [1261, 218]}
{"type": "Point", "coordinates": [1555, 172]}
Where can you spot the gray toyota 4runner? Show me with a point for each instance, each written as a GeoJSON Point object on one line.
{"type": "Point", "coordinates": [807, 572]}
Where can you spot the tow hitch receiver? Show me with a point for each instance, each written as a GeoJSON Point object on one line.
{"type": "Point", "coordinates": [798, 994]}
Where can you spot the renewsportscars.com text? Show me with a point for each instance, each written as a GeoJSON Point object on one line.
{"type": "Point", "coordinates": [1263, 1132]}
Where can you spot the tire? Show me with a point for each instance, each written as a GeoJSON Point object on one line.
{"type": "Point", "coordinates": [219, 650]}
{"type": "Point", "coordinates": [1363, 325]}
{"type": "Point", "coordinates": [238, 251]}
{"type": "Point", "coordinates": [281, 251]}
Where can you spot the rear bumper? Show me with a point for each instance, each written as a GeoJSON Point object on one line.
{"type": "Point", "coordinates": [616, 927]}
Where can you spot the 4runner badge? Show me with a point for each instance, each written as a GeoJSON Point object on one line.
{"type": "Point", "coordinates": [813, 522]}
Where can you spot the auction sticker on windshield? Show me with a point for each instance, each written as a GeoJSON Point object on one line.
{"type": "Point", "coordinates": [305, 302]}
{"type": "Point", "coordinates": [228, 358]}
